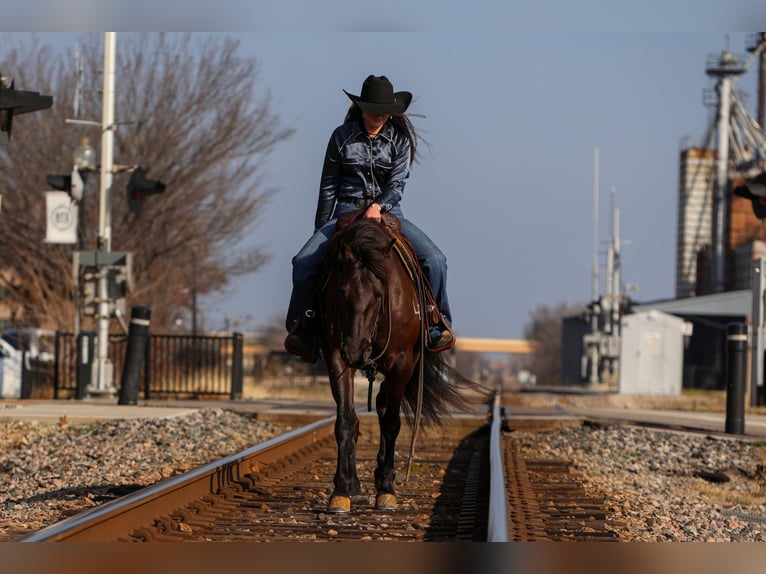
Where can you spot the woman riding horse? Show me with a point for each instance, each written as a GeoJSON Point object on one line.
{"type": "Point", "coordinates": [366, 165]}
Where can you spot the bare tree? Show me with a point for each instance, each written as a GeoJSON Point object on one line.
{"type": "Point", "coordinates": [193, 118]}
{"type": "Point", "coordinates": [544, 328]}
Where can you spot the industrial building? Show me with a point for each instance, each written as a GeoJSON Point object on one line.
{"type": "Point", "coordinates": [720, 252]}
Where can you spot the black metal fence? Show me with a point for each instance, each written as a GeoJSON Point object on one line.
{"type": "Point", "coordinates": [175, 366]}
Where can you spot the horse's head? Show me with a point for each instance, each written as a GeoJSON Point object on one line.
{"type": "Point", "coordinates": [360, 268]}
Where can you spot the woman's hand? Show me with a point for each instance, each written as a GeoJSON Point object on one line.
{"type": "Point", "coordinates": [373, 212]}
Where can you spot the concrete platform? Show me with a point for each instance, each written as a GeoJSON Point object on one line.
{"type": "Point", "coordinates": [83, 412]}
{"type": "Point", "coordinates": [94, 410]}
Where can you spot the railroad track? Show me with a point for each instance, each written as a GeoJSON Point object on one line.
{"type": "Point", "coordinates": [468, 482]}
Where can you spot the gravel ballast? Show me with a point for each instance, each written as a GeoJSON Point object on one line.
{"type": "Point", "coordinates": [665, 486]}
{"type": "Point", "coordinates": [49, 472]}
{"type": "Point", "coordinates": [658, 485]}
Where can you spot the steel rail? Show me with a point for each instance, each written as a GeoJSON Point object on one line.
{"type": "Point", "coordinates": [497, 522]}
{"type": "Point", "coordinates": [138, 512]}
{"type": "Point", "coordinates": [137, 509]}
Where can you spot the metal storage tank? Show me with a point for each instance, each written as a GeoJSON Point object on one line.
{"type": "Point", "coordinates": [695, 215]}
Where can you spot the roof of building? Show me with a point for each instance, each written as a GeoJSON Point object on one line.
{"type": "Point", "coordinates": [731, 303]}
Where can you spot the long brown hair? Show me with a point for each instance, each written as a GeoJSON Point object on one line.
{"type": "Point", "coordinates": [399, 121]}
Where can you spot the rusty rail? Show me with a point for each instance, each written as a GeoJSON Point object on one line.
{"type": "Point", "coordinates": [471, 483]}
{"type": "Point", "coordinates": [131, 512]}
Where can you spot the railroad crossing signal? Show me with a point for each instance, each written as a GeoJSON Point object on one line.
{"type": "Point", "coordinates": [138, 187]}
{"type": "Point", "coordinates": [754, 189]}
{"type": "Point", "coordinates": [73, 184]}
{"type": "Point", "coordinates": [14, 102]}
{"type": "Point", "coordinates": [117, 266]}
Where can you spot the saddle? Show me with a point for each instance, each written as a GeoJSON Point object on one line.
{"type": "Point", "coordinates": [409, 258]}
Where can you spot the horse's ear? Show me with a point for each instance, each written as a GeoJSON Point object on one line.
{"type": "Point", "coordinates": [389, 247]}
{"type": "Point", "coordinates": [345, 251]}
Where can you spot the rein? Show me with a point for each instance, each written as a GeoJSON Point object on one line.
{"type": "Point", "coordinates": [421, 377]}
{"type": "Point", "coordinates": [390, 329]}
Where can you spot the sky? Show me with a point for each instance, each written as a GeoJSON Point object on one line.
{"type": "Point", "coordinates": [515, 102]}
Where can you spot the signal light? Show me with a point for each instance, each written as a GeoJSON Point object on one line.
{"type": "Point", "coordinates": [755, 190]}
{"type": "Point", "coordinates": [73, 184]}
{"type": "Point", "coordinates": [6, 121]}
{"type": "Point", "coordinates": [14, 102]}
{"type": "Point", "coordinates": [61, 182]}
{"type": "Point", "coordinates": [138, 187]}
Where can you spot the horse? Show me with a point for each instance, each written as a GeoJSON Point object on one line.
{"type": "Point", "coordinates": [371, 313]}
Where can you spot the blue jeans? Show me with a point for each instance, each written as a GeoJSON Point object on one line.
{"type": "Point", "coordinates": [307, 261]}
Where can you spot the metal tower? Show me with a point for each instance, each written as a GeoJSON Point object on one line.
{"type": "Point", "coordinates": [725, 67]}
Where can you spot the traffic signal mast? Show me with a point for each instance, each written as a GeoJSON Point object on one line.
{"type": "Point", "coordinates": [103, 262]}
{"type": "Point", "coordinates": [15, 102]}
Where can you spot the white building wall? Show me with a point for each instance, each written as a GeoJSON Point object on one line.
{"type": "Point", "coordinates": [652, 353]}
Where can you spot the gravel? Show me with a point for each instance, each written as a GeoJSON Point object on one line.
{"type": "Point", "coordinates": [49, 472]}
{"type": "Point", "coordinates": [663, 485]}
{"type": "Point", "coordinates": [658, 485]}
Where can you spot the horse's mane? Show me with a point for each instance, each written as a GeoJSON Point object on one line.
{"type": "Point", "coordinates": [370, 244]}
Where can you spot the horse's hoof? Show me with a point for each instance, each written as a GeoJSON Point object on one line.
{"type": "Point", "coordinates": [385, 501]}
{"type": "Point", "coordinates": [339, 504]}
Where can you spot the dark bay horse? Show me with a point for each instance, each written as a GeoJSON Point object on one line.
{"type": "Point", "coordinates": [370, 310]}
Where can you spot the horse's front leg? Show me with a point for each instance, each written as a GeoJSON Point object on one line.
{"type": "Point", "coordinates": [346, 480]}
{"type": "Point", "coordinates": [388, 406]}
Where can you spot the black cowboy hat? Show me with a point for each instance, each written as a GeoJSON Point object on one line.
{"type": "Point", "coordinates": [378, 97]}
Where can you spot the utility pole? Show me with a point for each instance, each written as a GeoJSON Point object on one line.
{"type": "Point", "coordinates": [592, 340]}
{"type": "Point", "coordinates": [610, 348]}
{"type": "Point", "coordinates": [104, 380]}
{"type": "Point", "coordinates": [600, 360]}
{"type": "Point", "coordinates": [724, 69]}
{"type": "Point", "coordinates": [616, 268]}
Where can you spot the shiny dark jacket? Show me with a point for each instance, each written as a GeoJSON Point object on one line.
{"type": "Point", "coordinates": [356, 164]}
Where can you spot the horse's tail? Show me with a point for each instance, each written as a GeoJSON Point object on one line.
{"type": "Point", "coordinates": [445, 389]}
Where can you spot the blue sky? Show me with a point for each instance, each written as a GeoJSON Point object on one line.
{"type": "Point", "coordinates": [513, 117]}
{"type": "Point", "coordinates": [507, 190]}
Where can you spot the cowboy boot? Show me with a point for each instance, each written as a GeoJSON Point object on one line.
{"type": "Point", "coordinates": [302, 340]}
{"type": "Point", "coordinates": [440, 335]}
{"type": "Point", "coordinates": [441, 340]}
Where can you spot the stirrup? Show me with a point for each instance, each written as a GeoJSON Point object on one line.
{"type": "Point", "coordinates": [443, 337]}
{"type": "Point", "coordinates": [445, 341]}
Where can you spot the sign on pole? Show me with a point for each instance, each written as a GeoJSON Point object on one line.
{"type": "Point", "coordinates": [61, 218]}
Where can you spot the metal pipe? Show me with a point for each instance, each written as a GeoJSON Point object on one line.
{"type": "Point", "coordinates": [722, 183]}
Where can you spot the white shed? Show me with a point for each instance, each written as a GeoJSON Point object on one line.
{"type": "Point", "coordinates": [652, 354]}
